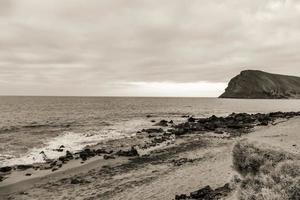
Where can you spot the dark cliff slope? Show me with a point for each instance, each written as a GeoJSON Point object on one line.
{"type": "Point", "coordinates": [254, 84]}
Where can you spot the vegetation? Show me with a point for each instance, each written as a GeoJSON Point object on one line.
{"type": "Point", "coordinates": [267, 174]}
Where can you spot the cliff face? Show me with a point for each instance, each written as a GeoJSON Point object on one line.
{"type": "Point", "coordinates": [253, 84]}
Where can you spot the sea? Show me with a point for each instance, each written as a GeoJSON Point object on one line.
{"type": "Point", "coordinates": [29, 125]}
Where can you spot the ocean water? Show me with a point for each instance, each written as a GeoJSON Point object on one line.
{"type": "Point", "coordinates": [29, 125]}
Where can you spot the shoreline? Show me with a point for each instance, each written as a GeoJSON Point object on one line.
{"type": "Point", "coordinates": [190, 147]}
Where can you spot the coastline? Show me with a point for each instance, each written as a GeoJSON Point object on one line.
{"type": "Point", "coordinates": [196, 159]}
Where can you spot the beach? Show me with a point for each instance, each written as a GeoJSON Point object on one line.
{"type": "Point", "coordinates": [173, 167]}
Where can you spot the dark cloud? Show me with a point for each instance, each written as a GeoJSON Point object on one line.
{"type": "Point", "coordinates": [78, 47]}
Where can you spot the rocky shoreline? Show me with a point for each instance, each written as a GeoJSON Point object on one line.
{"type": "Point", "coordinates": [163, 132]}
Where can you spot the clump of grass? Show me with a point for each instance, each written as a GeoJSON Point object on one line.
{"type": "Point", "coordinates": [268, 174]}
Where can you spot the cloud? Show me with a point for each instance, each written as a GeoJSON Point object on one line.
{"type": "Point", "coordinates": [88, 48]}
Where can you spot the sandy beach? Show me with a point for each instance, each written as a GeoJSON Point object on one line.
{"type": "Point", "coordinates": [190, 162]}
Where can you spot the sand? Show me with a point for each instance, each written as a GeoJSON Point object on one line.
{"type": "Point", "coordinates": [161, 175]}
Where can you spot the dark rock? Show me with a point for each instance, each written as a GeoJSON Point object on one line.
{"type": "Point", "coordinates": [5, 169]}
{"type": "Point", "coordinates": [203, 193]}
{"type": "Point", "coordinates": [153, 121]}
{"type": "Point", "coordinates": [153, 130]}
{"type": "Point", "coordinates": [69, 155]}
{"type": "Point", "coordinates": [87, 153]}
{"type": "Point", "coordinates": [54, 169]}
{"type": "Point", "coordinates": [106, 157]}
{"type": "Point", "coordinates": [191, 119]}
{"type": "Point", "coordinates": [129, 153]}
{"type": "Point", "coordinates": [76, 181]}
{"type": "Point", "coordinates": [182, 161]}
{"type": "Point", "coordinates": [181, 197]}
{"type": "Point", "coordinates": [28, 174]}
{"type": "Point", "coordinates": [207, 193]}
{"type": "Point", "coordinates": [162, 123]}
{"type": "Point", "coordinates": [103, 151]}
{"type": "Point", "coordinates": [24, 167]}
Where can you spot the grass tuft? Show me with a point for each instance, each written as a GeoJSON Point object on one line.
{"type": "Point", "coordinates": [268, 174]}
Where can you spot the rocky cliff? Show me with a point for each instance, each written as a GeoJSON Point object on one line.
{"type": "Point", "coordinates": [254, 84]}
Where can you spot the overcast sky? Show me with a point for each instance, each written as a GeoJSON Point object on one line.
{"type": "Point", "coordinates": [143, 48]}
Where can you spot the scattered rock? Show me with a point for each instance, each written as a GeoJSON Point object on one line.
{"type": "Point", "coordinates": [129, 153]}
{"type": "Point", "coordinates": [24, 167]}
{"type": "Point", "coordinates": [54, 169]}
{"type": "Point", "coordinates": [5, 169]}
{"type": "Point", "coordinates": [182, 161]}
{"type": "Point", "coordinates": [106, 157]}
{"type": "Point", "coordinates": [78, 181]}
{"type": "Point", "coordinates": [235, 123]}
{"type": "Point", "coordinates": [103, 151]}
{"type": "Point", "coordinates": [153, 130]}
{"type": "Point", "coordinates": [191, 119]}
{"type": "Point", "coordinates": [162, 123]}
{"type": "Point", "coordinates": [207, 193]}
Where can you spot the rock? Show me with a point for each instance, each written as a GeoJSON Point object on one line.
{"type": "Point", "coordinates": [24, 167]}
{"type": "Point", "coordinates": [106, 157]}
{"type": "Point", "coordinates": [54, 169]}
{"type": "Point", "coordinates": [153, 130]}
{"type": "Point", "coordinates": [5, 169]}
{"type": "Point", "coordinates": [171, 122]}
{"type": "Point", "coordinates": [182, 161]}
{"type": "Point", "coordinates": [153, 121]}
{"type": "Point", "coordinates": [28, 174]}
{"type": "Point", "coordinates": [87, 153]}
{"type": "Point", "coordinates": [207, 193]}
{"type": "Point", "coordinates": [129, 153]}
{"type": "Point", "coordinates": [78, 181]}
{"type": "Point", "coordinates": [203, 193]}
{"type": "Point", "coordinates": [162, 123]}
{"type": "Point", "coordinates": [148, 116]}
{"type": "Point", "coordinates": [181, 197]}
{"type": "Point", "coordinates": [191, 119]}
{"type": "Point", "coordinates": [69, 155]}
{"type": "Point", "coordinates": [103, 151]}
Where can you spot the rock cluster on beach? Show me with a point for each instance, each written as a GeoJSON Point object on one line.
{"type": "Point", "coordinates": [207, 193]}
{"type": "Point", "coordinates": [235, 124]}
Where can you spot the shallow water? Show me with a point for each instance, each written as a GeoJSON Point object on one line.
{"type": "Point", "coordinates": [29, 125]}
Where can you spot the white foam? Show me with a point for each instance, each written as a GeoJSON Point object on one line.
{"type": "Point", "coordinates": [73, 142]}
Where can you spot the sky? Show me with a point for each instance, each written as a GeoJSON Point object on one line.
{"type": "Point", "coordinates": [143, 47]}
